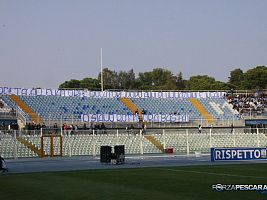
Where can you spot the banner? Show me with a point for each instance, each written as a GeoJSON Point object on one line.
{"type": "Point", "coordinates": [107, 94]}
{"type": "Point", "coordinates": [108, 118]}
{"type": "Point", "coordinates": [235, 154]}
{"type": "Point", "coordinates": [133, 118]}
{"type": "Point", "coordinates": [165, 118]}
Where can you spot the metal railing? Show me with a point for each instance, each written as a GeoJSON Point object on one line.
{"type": "Point", "coordinates": [88, 142]}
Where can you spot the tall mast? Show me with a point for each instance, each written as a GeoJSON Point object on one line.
{"type": "Point", "coordinates": [101, 73]}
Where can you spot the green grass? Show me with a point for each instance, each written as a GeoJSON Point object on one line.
{"type": "Point", "coordinates": [169, 183]}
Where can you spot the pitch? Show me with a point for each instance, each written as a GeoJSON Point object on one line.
{"type": "Point", "coordinates": [134, 180]}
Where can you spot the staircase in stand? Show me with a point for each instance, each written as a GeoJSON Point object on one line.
{"type": "Point", "coordinates": [30, 146]}
{"type": "Point", "coordinates": [204, 113]}
{"type": "Point", "coordinates": [155, 142]}
{"type": "Point", "coordinates": [35, 118]}
{"type": "Point", "coordinates": [132, 107]}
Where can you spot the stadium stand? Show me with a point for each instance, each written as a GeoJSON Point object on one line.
{"type": "Point", "coordinates": [58, 108]}
{"type": "Point", "coordinates": [72, 138]}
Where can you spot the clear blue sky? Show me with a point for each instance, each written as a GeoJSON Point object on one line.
{"type": "Point", "coordinates": [45, 42]}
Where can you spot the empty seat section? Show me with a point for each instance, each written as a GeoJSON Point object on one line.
{"type": "Point", "coordinates": [71, 108]}
{"type": "Point", "coordinates": [167, 106]}
{"type": "Point", "coordinates": [219, 108]}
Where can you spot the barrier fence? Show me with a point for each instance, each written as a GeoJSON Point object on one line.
{"type": "Point", "coordinates": [17, 144]}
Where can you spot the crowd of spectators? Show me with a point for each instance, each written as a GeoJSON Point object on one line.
{"type": "Point", "coordinates": [75, 129]}
{"type": "Point", "coordinates": [9, 126]}
{"type": "Point", "coordinates": [65, 128]}
{"type": "Point", "coordinates": [33, 126]}
{"type": "Point", "coordinates": [248, 104]}
{"type": "Point", "coordinates": [4, 108]}
{"type": "Point", "coordinates": [6, 111]}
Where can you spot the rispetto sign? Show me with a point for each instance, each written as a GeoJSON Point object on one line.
{"type": "Point", "coordinates": [232, 154]}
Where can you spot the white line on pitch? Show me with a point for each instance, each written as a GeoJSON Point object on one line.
{"type": "Point", "coordinates": [212, 173]}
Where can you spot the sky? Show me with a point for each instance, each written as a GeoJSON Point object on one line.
{"type": "Point", "coordinates": [46, 42]}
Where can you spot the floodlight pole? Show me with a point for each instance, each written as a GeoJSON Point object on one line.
{"type": "Point", "coordinates": [101, 73]}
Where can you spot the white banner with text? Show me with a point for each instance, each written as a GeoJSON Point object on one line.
{"type": "Point", "coordinates": [107, 94]}
{"type": "Point", "coordinates": [133, 118]}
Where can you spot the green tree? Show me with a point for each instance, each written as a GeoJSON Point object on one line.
{"type": "Point", "coordinates": [162, 79]}
{"type": "Point", "coordinates": [90, 84]}
{"type": "Point", "coordinates": [236, 79]}
{"type": "Point", "coordinates": [131, 79]}
{"type": "Point", "coordinates": [256, 78]}
{"type": "Point", "coordinates": [157, 79]}
{"type": "Point", "coordinates": [126, 79]}
{"type": "Point", "coordinates": [180, 82]}
{"type": "Point", "coordinates": [205, 83]}
{"type": "Point", "coordinates": [73, 83]}
{"type": "Point", "coordinates": [110, 79]}
{"type": "Point", "coordinates": [145, 81]}
{"type": "Point", "coordinates": [170, 84]}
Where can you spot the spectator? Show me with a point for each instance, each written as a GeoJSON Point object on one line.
{"type": "Point", "coordinates": [127, 129]}
{"type": "Point", "coordinates": [43, 125]}
{"type": "Point", "coordinates": [55, 127]}
{"type": "Point", "coordinates": [103, 128]}
{"type": "Point", "coordinates": [1, 104]}
{"type": "Point", "coordinates": [232, 128]}
{"type": "Point", "coordinates": [143, 111]}
{"type": "Point", "coordinates": [199, 128]}
{"type": "Point", "coordinates": [84, 126]}
{"type": "Point", "coordinates": [91, 128]}
{"type": "Point", "coordinates": [143, 128]}
{"type": "Point", "coordinates": [71, 129]}
{"type": "Point", "coordinates": [3, 166]}
{"type": "Point", "coordinates": [76, 129]}
{"type": "Point", "coordinates": [131, 127]}
{"type": "Point", "coordinates": [65, 128]}
{"type": "Point", "coordinates": [38, 127]}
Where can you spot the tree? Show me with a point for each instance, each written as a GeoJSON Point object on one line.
{"type": "Point", "coordinates": [163, 79]}
{"type": "Point", "coordinates": [145, 81]}
{"type": "Point", "coordinates": [110, 79]}
{"type": "Point", "coordinates": [256, 78]}
{"type": "Point", "coordinates": [126, 79]}
{"type": "Point", "coordinates": [157, 79]}
{"type": "Point", "coordinates": [180, 82]}
{"type": "Point", "coordinates": [205, 83]}
{"type": "Point", "coordinates": [170, 84]}
{"type": "Point", "coordinates": [90, 84]}
{"type": "Point", "coordinates": [236, 79]}
{"type": "Point", "coordinates": [131, 79]}
{"type": "Point", "coordinates": [73, 83]}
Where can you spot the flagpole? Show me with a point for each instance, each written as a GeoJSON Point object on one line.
{"type": "Point", "coordinates": [101, 66]}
